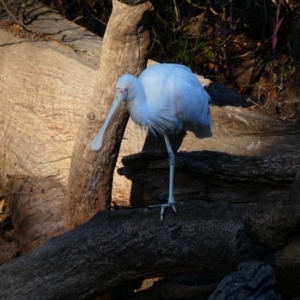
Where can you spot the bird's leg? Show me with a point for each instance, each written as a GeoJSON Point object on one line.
{"type": "Point", "coordinates": [172, 167]}
{"type": "Point", "coordinates": [171, 201]}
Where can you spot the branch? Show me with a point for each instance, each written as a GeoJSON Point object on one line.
{"type": "Point", "coordinates": [125, 48]}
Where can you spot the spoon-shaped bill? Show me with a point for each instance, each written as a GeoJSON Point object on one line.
{"type": "Point", "coordinates": [96, 144]}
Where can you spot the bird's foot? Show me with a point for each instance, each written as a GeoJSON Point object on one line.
{"type": "Point", "coordinates": [163, 207]}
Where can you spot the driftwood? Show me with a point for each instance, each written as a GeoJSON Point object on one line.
{"type": "Point", "coordinates": [211, 237]}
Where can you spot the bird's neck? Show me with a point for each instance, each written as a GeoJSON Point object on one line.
{"type": "Point", "coordinates": [137, 105]}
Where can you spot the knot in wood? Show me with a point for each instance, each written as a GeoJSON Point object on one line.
{"type": "Point", "coordinates": [91, 116]}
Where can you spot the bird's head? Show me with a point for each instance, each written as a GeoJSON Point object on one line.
{"type": "Point", "coordinates": [125, 87]}
{"type": "Point", "coordinates": [124, 91]}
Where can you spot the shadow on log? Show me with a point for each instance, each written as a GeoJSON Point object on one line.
{"type": "Point", "coordinates": [205, 237]}
{"type": "Point", "coordinates": [37, 211]}
{"type": "Point", "coordinates": [253, 280]}
{"type": "Point", "coordinates": [212, 177]}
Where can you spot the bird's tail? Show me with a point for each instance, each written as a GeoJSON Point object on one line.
{"type": "Point", "coordinates": [203, 132]}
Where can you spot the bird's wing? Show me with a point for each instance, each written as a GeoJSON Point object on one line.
{"type": "Point", "coordinates": [192, 101]}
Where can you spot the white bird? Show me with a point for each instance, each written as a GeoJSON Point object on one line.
{"type": "Point", "coordinates": [164, 99]}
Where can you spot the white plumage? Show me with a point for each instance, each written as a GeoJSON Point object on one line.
{"type": "Point", "coordinates": [164, 99]}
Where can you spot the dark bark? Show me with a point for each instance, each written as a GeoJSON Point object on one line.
{"type": "Point", "coordinates": [111, 249]}
{"type": "Point", "coordinates": [8, 248]}
{"type": "Point", "coordinates": [203, 237]}
{"type": "Point", "coordinates": [187, 287]}
{"type": "Point", "coordinates": [45, 176]}
{"type": "Point", "coordinates": [249, 209]}
{"type": "Point", "coordinates": [35, 216]}
{"type": "Point", "coordinates": [253, 280]}
{"type": "Point", "coordinates": [211, 176]}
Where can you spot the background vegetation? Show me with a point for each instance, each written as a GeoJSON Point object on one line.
{"type": "Point", "coordinates": [252, 46]}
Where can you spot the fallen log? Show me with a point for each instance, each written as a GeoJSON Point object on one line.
{"type": "Point", "coordinates": [253, 280]}
{"type": "Point", "coordinates": [208, 237]}
{"type": "Point", "coordinates": [210, 176]}
{"type": "Point", "coordinates": [34, 215]}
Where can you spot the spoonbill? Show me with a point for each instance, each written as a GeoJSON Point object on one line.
{"type": "Point", "coordinates": [163, 99]}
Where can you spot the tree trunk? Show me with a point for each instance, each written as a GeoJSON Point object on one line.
{"type": "Point", "coordinates": [125, 49]}
{"type": "Point", "coordinates": [207, 237]}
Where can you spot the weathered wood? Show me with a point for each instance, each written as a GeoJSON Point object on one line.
{"type": "Point", "coordinates": [111, 249]}
{"type": "Point", "coordinates": [242, 182]}
{"type": "Point", "coordinates": [57, 80]}
{"type": "Point", "coordinates": [54, 97]}
{"type": "Point", "coordinates": [35, 216]}
{"type": "Point", "coordinates": [253, 280]}
{"type": "Point", "coordinates": [8, 249]}
{"type": "Point", "coordinates": [203, 237]}
{"type": "Point", "coordinates": [189, 287]}
{"type": "Point", "coordinates": [38, 128]}
{"type": "Point", "coordinates": [205, 176]}
{"type": "Point", "coordinates": [38, 124]}
{"type": "Point", "coordinates": [125, 49]}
